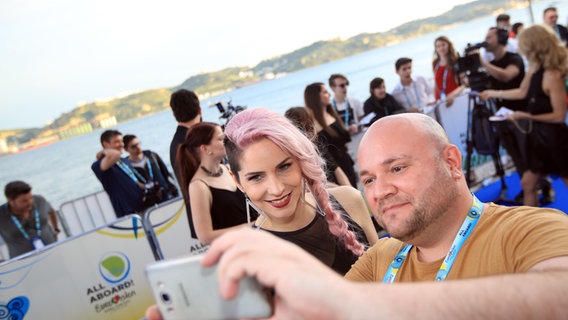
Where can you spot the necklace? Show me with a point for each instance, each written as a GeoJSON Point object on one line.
{"type": "Point", "coordinates": [216, 174]}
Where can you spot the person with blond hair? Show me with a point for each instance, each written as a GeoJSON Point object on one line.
{"type": "Point", "coordinates": [544, 126]}
{"type": "Point", "coordinates": [281, 173]}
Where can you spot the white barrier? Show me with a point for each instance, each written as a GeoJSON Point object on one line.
{"type": "Point", "coordinates": [168, 224]}
{"type": "Point", "coordinates": [86, 213]}
{"type": "Point", "coordinates": [97, 275]}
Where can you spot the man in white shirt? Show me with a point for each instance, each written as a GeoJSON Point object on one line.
{"type": "Point", "coordinates": [350, 110]}
{"type": "Point", "coordinates": [414, 94]}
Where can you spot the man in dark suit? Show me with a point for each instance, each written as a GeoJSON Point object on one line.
{"type": "Point", "coordinates": [550, 18]}
{"type": "Point", "coordinates": [187, 112]}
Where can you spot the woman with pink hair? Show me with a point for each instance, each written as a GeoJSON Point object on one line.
{"type": "Point", "coordinates": [283, 178]}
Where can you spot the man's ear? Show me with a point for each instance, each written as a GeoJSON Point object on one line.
{"type": "Point", "coordinates": [453, 158]}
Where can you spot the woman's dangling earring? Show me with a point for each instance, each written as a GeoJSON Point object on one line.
{"type": "Point", "coordinates": [304, 187]}
{"type": "Point", "coordinates": [249, 204]}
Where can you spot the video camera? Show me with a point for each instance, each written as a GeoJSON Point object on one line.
{"type": "Point", "coordinates": [470, 65]}
{"type": "Point", "coordinates": [229, 112]}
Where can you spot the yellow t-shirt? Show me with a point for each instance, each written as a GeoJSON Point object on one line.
{"type": "Point", "coordinates": [505, 240]}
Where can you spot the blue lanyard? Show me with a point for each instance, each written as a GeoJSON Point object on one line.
{"type": "Point", "coordinates": [150, 172]}
{"type": "Point", "coordinates": [408, 98]}
{"type": "Point", "coordinates": [21, 228]}
{"type": "Point", "coordinates": [346, 114]}
{"type": "Point", "coordinates": [467, 227]}
{"type": "Point", "coordinates": [133, 174]}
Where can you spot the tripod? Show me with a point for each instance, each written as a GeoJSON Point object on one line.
{"type": "Point", "coordinates": [481, 135]}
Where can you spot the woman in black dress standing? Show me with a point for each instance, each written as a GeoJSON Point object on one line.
{"type": "Point", "coordinates": [544, 124]}
{"type": "Point", "coordinates": [330, 128]}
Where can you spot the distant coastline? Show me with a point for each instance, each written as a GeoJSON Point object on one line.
{"type": "Point", "coordinates": [89, 115]}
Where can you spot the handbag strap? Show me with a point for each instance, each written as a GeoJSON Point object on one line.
{"type": "Point", "coordinates": [528, 131]}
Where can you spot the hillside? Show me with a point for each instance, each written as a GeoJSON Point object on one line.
{"type": "Point", "coordinates": [89, 116]}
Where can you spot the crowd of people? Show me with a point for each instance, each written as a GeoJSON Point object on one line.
{"type": "Point", "coordinates": [293, 177]}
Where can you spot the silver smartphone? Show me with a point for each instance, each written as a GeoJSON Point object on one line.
{"type": "Point", "coordinates": [183, 289]}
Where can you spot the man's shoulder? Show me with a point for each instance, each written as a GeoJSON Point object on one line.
{"type": "Point", "coordinates": [419, 79]}
{"type": "Point", "coordinates": [178, 138]}
{"type": "Point", "coordinates": [388, 246]}
{"type": "Point", "coordinates": [354, 101]}
{"type": "Point", "coordinates": [38, 198]}
{"type": "Point", "coordinates": [524, 214]}
{"type": "Point", "coordinates": [511, 58]}
{"type": "Point", "coordinates": [96, 166]}
{"type": "Point", "coordinates": [4, 210]}
{"type": "Point", "coordinates": [397, 88]}
{"type": "Point", "coordinates": [149, 153]}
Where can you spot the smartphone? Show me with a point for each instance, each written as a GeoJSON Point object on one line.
{"type": "Point", "coordinates": [183, 289]}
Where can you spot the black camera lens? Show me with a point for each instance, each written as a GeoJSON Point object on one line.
{"type": "Point", "coordinates": [165, 298]}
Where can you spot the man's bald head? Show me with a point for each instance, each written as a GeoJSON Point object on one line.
{"type": "Point", "coordinates": [406, 126]}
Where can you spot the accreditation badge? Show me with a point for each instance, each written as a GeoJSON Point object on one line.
{"type": "Point", "coordinates": [37, 243]}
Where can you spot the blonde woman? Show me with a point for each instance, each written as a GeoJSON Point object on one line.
{"type": "Point", "coordinates": [545, 87]}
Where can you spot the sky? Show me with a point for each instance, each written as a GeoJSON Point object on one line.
{"type": "Point", "coordinates": [58, 54]}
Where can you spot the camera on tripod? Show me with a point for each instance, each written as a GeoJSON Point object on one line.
{"type": "Point", "coordinates": [229, 112]}
{"type": "Point", "coordinates": [470, 65]}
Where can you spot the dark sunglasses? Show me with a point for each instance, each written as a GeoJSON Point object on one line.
{"type": "Point", "coordinates": [343, 85]}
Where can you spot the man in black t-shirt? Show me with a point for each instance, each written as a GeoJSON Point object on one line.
{"type": "Point", "coordinates": [506, 71]}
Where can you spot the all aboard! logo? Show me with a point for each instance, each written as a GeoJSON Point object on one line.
{"type": "Point", "coordinates": [114, 268]}
{"type": "Point", "coordinates": [15, 309]}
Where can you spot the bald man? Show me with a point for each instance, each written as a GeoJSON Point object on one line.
{"type": "Point", "coordinates": [512, 262]}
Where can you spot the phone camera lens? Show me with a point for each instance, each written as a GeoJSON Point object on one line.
{"type": "Point", "coordinates": [165, 298]}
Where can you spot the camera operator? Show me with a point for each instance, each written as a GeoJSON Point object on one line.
{"type": "Point", "coordinates": [505, 72]}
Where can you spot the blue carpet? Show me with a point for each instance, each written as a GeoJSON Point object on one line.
{"type": "Point", "coordinates": [491, 192]}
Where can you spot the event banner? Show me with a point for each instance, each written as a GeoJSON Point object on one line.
{"type": "Point", "coordinates": [96, 275]}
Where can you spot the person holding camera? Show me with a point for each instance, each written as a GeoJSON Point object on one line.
{"type": "Point", "coordinates": [151, 170]}
{"type": "Point", "coordinates": [118, 179]}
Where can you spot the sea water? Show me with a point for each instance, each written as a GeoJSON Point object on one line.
{"type": "Point", "coordinates": [61, 171]}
